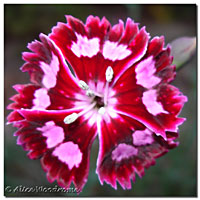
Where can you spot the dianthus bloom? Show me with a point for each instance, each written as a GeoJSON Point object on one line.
{"type": "Point", "coordinates": [118, 88]}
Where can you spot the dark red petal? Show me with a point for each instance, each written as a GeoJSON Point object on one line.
{"type": "Point", "coordinates": [121, 154]}
{"type": "Point", "coordinates": [76, 25]}
{"type": "Point", "coordinates": [158, 124]}
{"type": "Point", "coordinates": [138, 49]}
{"type": "Point", "coordinates": [25, 97]}
{"type": "Point", "coordinates": [165, 70]}
{"type": "Point", "coordinates": [97, 44]}
{"type": "Point", "coordinates": [143, 104]}
{"type": "Point", "coordinates": [48, 64]}
{"type": "Point", "coordinates": [110, 135]}
{"type": "Point", "coordinates": [130, 32]}
{"type": "Point", "coordinates": [135, 51]}
{"type": "Point", "coordinates": [97, 28]}
{"type": "Point", "coordinates": [34, 97]}
{"type": "Point", "coordinates": [55, 87]}
{"type": "Point", "coordinates": [81, 50]}
{"type": "Point", "coordinates": [171, 98]}
{"type": "Point", "coordinates": [32, 127]}
{"type": "Point", "coordinates": [37, 135]}
{"type": "Point", "coordinates": [155, 46]}
{"type": "Point", "coordinates": [116, 31]}
{"type": "Point", "coordinates": [171, 135]}
{"type": "Point", "coordinates": [14, 116]}
{"type": "Point", "coordinates": [164, 59]}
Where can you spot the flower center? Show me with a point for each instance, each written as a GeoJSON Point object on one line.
{"type": "Point", "coordinates": [97, 101]}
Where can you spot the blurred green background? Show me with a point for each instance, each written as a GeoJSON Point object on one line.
{"type": "Point", "coordinates": [175, 174]}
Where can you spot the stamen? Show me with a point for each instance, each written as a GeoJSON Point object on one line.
{"type": "Point", "coordinates": [83, 85]}
{"type": "Point", "coordinates": [90, 93]}
{"type": "Point", "coordinates": [102, 110]}
{"type": "Point", "coordinates": [109, 77]}
{"type": "Point", "coordinates": [109, 74]}
{"type": "Point", "coordinates": [106, 93]}
{"type": "Point", "coordinates": [74, 116]}
{"type": "Point", "coordinates": [71, 118]}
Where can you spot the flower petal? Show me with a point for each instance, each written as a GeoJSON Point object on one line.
{"type": "Point", "coordinates": [64, 149]}
{"type": "Point", "coordinates": [25, 97]}
{"type": "Point", "coordinates": [80, 43]}
{"type": "Point", "coordinates": [116, 32]}
{"type": "Point", "coordinates": [35, 97]}
{"type": "Point", "coordinates": [165, 69]}
{"type": "Point", "coordinates": [55, 87]}
{"type": "Point", "coordinates": [138, 48]}
{"type": "Point", "coordinates": [155, 46]}
{"type": "Point", "coordinates": [86, 47]}
{"type": "Point", "coordinates": [126, 148]}
{"type": "Point", "coordinates": [140, 98]}
{"type": "Point", "coordinates": [174, 100]}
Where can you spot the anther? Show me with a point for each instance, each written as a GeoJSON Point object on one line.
{"type": "Point", "coordinates": [90, 93]}
{"type": "Point", "coordinates": [102, 110]}
{"type": "Point", "coordinates": [71, 118]}
{"type": "Point", "coordinates": [74, 116]}
{"type": "Point", "coordinates": [83, 85]}
{"type": "Point", "coordinates": [109, 74]}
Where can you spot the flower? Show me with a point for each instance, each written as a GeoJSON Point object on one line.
{"type": "Point", "coordinates": [96, 79]}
